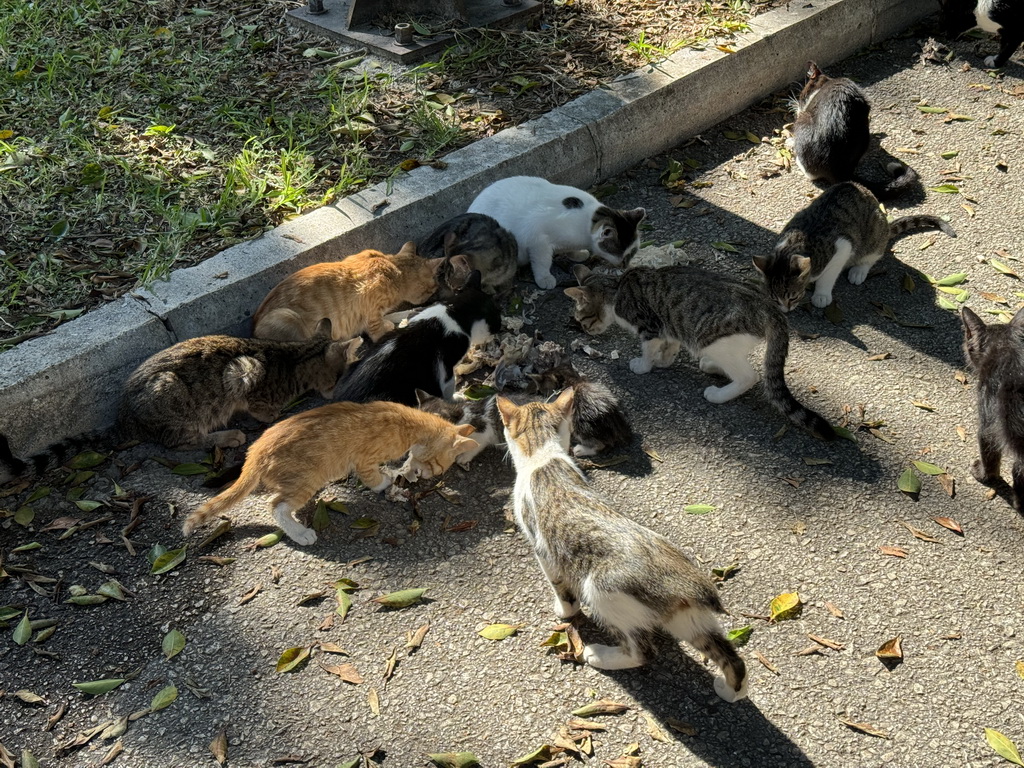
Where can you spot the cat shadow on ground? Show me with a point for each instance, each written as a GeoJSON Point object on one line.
{"type": "Point", "coordinates": [677, 693]}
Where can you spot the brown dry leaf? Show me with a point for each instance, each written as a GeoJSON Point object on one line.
{"type": "Point", "coordinates": [796, 482]}
{"type": "Point", "coordinates": [415, 639]}
{"type": "Point", "coordinates": [349, 674]}
{"type": "Point", "coordinates": [867, 728]}
{"type": "Point", "coordinates": [826, 642]}
{"type": "Point", "coordinates": [275, 573]}
{"type": "Point", "coordinates": [767, 664]}
{"type": "Point", "coordinates": [961, 377]}
{"type": "Point", "coordinates": [810, 650]}
{"type": "Point", "coordinates": [586, 725]}
{"type": "Point", "coordinates": [654, 730]}
{"type": "Point", "coordinates": [1019, 666]}
{"type": "Point", "coordinates": [834, 610]}
{"type": "Point", "coordinates": [962, 433]}
{"type": "Point", "coordinates": [948, 484]}
{"type": "Point", "coordinates": [600, 707]}
{"type": "Point", "coordinates": [882, 356]}
{"type": "Point", "coordinates": [893, 551]}
{"type": "Point", "coordinates": [990, 494]}
{"type": "Point", "coordinates": [465, 525]}
{"type": "Point", "coordinates": [61, 524]}
{"type": "Point", "coordinates": [333, 648]}
{"type": "Point", "coordinates": [374, 701]}
{"type": "Point", "coordinates": [952, 636]}
{"type": "Point", "coordinates": [681, 726]}
{"type": "Point", "coordinates": [893, 649]}
{"type": "Point", "coordinates": [250, 594]}
{"type": "Point", "coordinates": [53, 719]}
{"type": "Point", "coordinates": [924, 405]}
{"type": "Point", "coordinates": [950, 523]}
{"type": "Point", "coordinates": [219, 746]}
{"type": "Point", "coordinates": [389, 666]}
{"type": "Point", "coordinates": [6, 758]}
{"type": "Point", "coordinates": [115, 749]}
{"type": "Point", "coordinates": [919, 534]}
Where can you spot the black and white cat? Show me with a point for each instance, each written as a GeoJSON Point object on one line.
{"type": "Point", "coordinates": [1005, 17]}
{"type": "Point", "coordinates": [423, 354]}
{"type": "Point", "coordinates": [831, 134]}
{"type": "Point", "coordinates": [547, 218]}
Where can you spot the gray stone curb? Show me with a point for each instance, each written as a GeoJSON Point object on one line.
{"type": "Point", "coordinates": [68, 382]}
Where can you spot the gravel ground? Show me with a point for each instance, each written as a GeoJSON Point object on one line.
{"type": "Point", "coordinates": [792, 525]}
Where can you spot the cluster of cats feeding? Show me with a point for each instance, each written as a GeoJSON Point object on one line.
{"type": "Point", "coordinates": [389, 340]}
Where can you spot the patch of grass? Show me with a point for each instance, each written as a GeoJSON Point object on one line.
{"type": "Point", "coordinates": [138, 136]}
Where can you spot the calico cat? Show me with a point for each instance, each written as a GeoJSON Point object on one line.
{"type": "Point", "coordinates": [181, 396]}
{"type": "Point", "coordinates": [353, 295]}
{"type": "Point", "coordinates": [718, 318]}
{"type": "Point", "coordinates": [423, 354]}
{"type": "Point", "coordinates": [843, 227]}
{"type": "Point", "coordinates": [598, 421]}
{"type": "Point", "coordinates": [996, 354]}
{"type": "Point", "coordinates": [547, 218]}
{"type": "Point", "coordinates": [296, 457]}
{"type": "Point", "coordinates": [483, 244]}
{"type": "Point", "coordinates": [831, 135]}
{"type": "Point", "coordinates": [635, 581]}
{"type": "Point", "coordinates": [1005, 17]}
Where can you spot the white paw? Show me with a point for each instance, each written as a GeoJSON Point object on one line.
{"type": "Point", "coordinates": [717, 395]}
{"type": "Point", "coordinates": [383, 484]}
{"type": "Point", "coordinates": [990, 61]}
{"type": "Point", "coordinates": [564, 610]}
{"type": "Point", "coordinates": [728, 694]}
{"type": "Point", "coordinates": [584, 450]}
{"type": "Point", "coordinates": [858, 275]}
{"type": "Point", "coordinates": [545, 281]}
{"type": "Point", "coordinates": [822, 299]}
{"type": "Point", "coordinates": [609, 657]}
{"type": "Point", "coordinates": [303, 536]}
{"type": "Point", "coordinates": [639, 366]}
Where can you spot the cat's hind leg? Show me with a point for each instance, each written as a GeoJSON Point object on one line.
{"type": "Point", "coordinates": [567, 604]}
{"type": "Point", "coordinates": [824, 283]}
{"type": "Point", "coordinates": [985, 469]}
{"type": "Point", "coordinates": [1018, 484]}
{"type": "Point", "coordinates": [284, 508]}
{"type": "Point", "coordinates": [628, 618]}
{"type": "Point", "coordinates": [730, 355]}
{"type": "Point", "coordinates": [700, 628]}
{"type": "Point", "coordinates": [859, 272]}
{"type": "Point", "coordinates": [281, 325]}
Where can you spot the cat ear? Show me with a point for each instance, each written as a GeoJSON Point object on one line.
{"type": "Point", "coordinates": [435, 264]}
{"type": "Point", "coordinates": [465, 430]}
{"type": "Point", "coordinates": [974, 328]}
{"type": "Point", "coordinates": [576, 294]}
{"type": "Point", "coordinates": [563, 403]}
{"type": "Point", "coordinates": [409, 249]}
{"type": "Point", "coordinates": [460, 263]}
{"type": "Point", "coordinates": [1018, 319]}
{"type": "Point", "coordinates": [761, 264]}
{"type": "Point", "coordinates": [636, 215]}
{"type": "Point", "coordinates": [323, 328]}
{"type": "Point", "coordinates": [449, 243]}
{"type": "Point", "coordinates": [581, 272]}
{"type": "Point", "coordinates": [423, 398]}
{"type": "Point", "coordinates": [802, 265]}
{"type": "Point", "coordinates": [351, 348]}
{"type": "Point", "coordinates": [506, 409]}
{"type": "Point", "coordinates": [813, 71]}
{"type": "Point", "coordinates": [465, 444]}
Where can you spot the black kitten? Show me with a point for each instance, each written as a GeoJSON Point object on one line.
{"type": "Point", "coordinates": [423, 354]}
{"type": "Point", "coordinates": [1003, 16]}
{"type": "Point", "coordinates": [996, 353]}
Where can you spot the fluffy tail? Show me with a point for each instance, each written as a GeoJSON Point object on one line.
{"type": "Point", "coordinates": [903, 178]}
{"type": "Point", "coordinates": [775, 384]}
{"type": "Point", "coordinates": [597, 416]}
{"type": "Point", "coordinates": [247, 482]}
{"type": "Point", "coordinates": [11, 466]}
{"type": "Point", "coordinates": [921, 221]}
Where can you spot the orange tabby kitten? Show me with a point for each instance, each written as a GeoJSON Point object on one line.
{"type": "Point", "coordinates": [353, 294]}
{"type": "Point", "coordinates": [296, 457]}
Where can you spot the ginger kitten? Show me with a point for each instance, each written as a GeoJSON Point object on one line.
{"type": "Point", "coordinates": [353, 295]}
{"type": "Point", "coordinates": [634, 581]}
{"type": "Point", "coordinates": [296, 457]}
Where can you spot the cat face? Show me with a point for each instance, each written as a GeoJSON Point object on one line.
{"type": "Point", "coordinates": [440, 452]}
{"type": "Point", "coordinates": [786, 279]}
{"type": "Point", "coordinates": [419, 275]}
{"type": "Point", "coordinates": [614, 233]}
{"type": "Point", "coordinates": [593, 300]}
{"type": "Point", "coordinates": [529, 427]}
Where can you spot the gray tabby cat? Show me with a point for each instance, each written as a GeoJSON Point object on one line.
{"type": "Point", "coordinates": [635, 581]}
{"type": "Point", "coordinates": [483, 244]}
{"type": "Point", "coordinates": [482, 414]}
{"type": "Point", "coordinates": [843, 227]}
{"type": "Point", "coordinates": [718, 318]}
{"type": "Point", "coordinates": [996, 353]}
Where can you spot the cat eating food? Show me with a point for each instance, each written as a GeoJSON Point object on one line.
{"type": "Point", "coordinates": [1005, 17]}
{"type": "Point", "coordinates": [996, 354]}
{"type": "Point", "coordinates": [547, 218]}
{"type": "Point", "coordinates": [296, 457]}
{"type": "Point", "coordinates": [423, 354]}
{"type": "Point", "coordinates": [470, 242]}
{"type": "Point", "coordinates": [353, 295]}
{"type": "Point", "coordinates": [831, 134]}
{"type": "Point", "coordinates": [634, 581]}
{"type": "Point", "coordinates": [843, 227]}
{"type": "Point", "coordinates": [719, 319]}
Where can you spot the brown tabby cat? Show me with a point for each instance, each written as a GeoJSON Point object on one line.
{"type": "Point", "coordinates": [296, 457]}
{"type": "Point", "coordinates": [635, 581]}
{"type": "Point", "coordinates": [353, 295]}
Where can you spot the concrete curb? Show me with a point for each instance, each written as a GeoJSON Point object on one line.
{"type": "Point", "coordinates": [69, 382]}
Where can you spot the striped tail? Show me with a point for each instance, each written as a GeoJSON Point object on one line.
{"type": "Point", "coordinates": [921, 221]}
{"type": "Point", "coordinates": [247, 482]}
{"type": "Point", "coordinates": [903, 178]}
{"type": "Point", "coordinates": [775, 383]}
{"type": "Point", "coordinates": [11, 466]}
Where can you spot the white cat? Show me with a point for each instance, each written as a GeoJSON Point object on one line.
{"type": "Point", "coordinates": [547, 218]}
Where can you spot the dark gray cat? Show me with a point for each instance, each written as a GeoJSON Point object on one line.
{"type": "Point", "coordinates": [996, 354]}
{"type": "Point", "coordinates": [180, 395]}
{"type": "Point", "coordinates": [831, 134]}
{"type": "Point", "coordinates": [719, 319]}
{"type": "Point", "coordinates": [843, 227]}
{"type": "Point", "coordinates": [482, 414]}
{"type": "Point", "coordinates": [483, 244]}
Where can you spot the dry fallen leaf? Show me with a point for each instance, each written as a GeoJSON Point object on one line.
{"type": "Point", "coordinates": [834, 610]}
{"type": "Point", "coordinates": [250, 594]}
{"type": "Point", "coordinates": [415, 639]}
{"type": "Point", "coordinates": [219, 746]}
{"type": "Point", "coordinates": [826, 642]}
{"type": "Point", "coordinates": [600, 707]}
{"type": "Point", "coordinates": [919, 534]}
{"type": "Point", "coordinates": [893, 551]}
{"type": "Point", "coordinates": [867, 728]}
{"type": "Point", "coordinates": [654, 730]}
{"type": "Point", "coordinates": [767, 664]}
{"type": "Point", "coordinates": [893, 649]}
{"type": "Point", "coordinates": [948, 484]}
{"type": "Point", "coordinates": [962, 433]}
{"type": "Point", "coordinates": [950, 523]}
{"type": "Point", "coordinates": [810, 650]}
{"type": "Point", "coordinates": [348, 673]}
{"type": "Point", "coordinates": [680, 726]}
{"type": "Point", "coordinates": [374, 701]}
